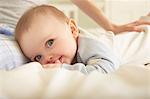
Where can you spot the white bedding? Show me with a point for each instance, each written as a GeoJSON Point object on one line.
{"type": "Point", "coordinates": [131, 81]}
{"type": "Point", "coordinates": [31, 81]}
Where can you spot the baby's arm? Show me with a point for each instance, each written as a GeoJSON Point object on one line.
{"type": "Point", "coordinates": [102, 65]}
{"type": "Point", "coordinates": [95, 55]}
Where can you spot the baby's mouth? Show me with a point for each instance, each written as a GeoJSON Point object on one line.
{"type": "Point", "coordinates": [59, 60]}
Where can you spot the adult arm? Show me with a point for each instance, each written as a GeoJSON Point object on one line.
{"type": "Point", "coordinates": [90, 8]}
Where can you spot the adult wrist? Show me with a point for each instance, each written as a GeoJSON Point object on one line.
{"type": "Point", "coordinates": [113, 28]}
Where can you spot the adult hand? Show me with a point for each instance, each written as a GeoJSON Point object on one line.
{"type": "Point", "coordinates": [130, 27]}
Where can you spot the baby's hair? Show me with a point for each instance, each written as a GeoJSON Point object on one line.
{"type": "Point", "coordinates": [25, 21]}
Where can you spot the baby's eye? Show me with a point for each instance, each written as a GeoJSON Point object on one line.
{"type": "Point", "coordinates": [37, 58]}
{"type": "Point", "coordinates": [50, 42]}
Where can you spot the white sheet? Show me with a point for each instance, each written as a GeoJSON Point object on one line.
{"type": "Point", "coordinates": [133, 47]}
{"type": "Point", "coordinates": [130, 47]}
{"type": "Point", "coordinates": [31, 81]}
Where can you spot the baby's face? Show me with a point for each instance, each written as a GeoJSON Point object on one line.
{"type": "Point", "coordinates": [49, 41]}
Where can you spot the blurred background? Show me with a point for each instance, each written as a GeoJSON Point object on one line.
{"type": "Point", "coordinates": [118, 11]}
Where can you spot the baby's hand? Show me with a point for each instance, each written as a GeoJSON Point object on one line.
{"type": "Point", "coordinates": [52, 65]}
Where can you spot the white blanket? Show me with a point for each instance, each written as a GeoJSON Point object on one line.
{"type": "Point", "coordinates": [31, 81]}
{"type": "Point", "coordinates": [131, 81]}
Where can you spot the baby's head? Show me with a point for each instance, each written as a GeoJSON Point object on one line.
{"type": "Point", "coordinates": [46, 35]}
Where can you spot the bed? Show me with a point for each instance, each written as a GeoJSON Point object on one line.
{"type": "Point", "coordinates": [130, 81]}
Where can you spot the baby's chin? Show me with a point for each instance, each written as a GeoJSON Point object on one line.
{"type": "Point", "coordinates": [67, 62]}
{"type": "Point", "coordinates": [73, 61]}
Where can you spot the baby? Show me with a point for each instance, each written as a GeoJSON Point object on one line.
{"type": "Point", "coordinates": [47, 36]}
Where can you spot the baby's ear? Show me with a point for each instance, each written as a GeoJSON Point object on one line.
{"type": "Point", "coordinates": [73, 27]}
